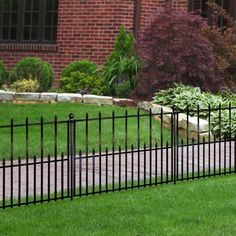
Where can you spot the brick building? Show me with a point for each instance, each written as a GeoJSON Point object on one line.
{"type": "Point", "coordinates": [62, 31]}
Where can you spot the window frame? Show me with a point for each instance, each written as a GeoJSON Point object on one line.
{"type": "Point", "coordinates": [40, 27]}
{"type": "Point", "coordinates": [231, 10]}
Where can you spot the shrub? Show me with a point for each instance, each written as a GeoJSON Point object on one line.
{"type": "Point", "coordinates": [25, 85]}
{"type": "Point", "coordinates": [122, 65]}
{"type": "Point", "coordinates": [36, 69]}
{"type": "Point", "coordinates": [123, 90]}
{"type": "Point", "coordinates": [174, 50]}
{"type": "Point", "coordinates": [83, 66]}
{"type": "Point", "coordinates": [181, 97]}
{"type": "Point", "coordinates": [79, 81]}
{"type": "Point", "coordinates": [3, 73]}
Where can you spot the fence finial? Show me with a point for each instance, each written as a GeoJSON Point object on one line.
{"type": "Point", "coordinates": [71, 116]}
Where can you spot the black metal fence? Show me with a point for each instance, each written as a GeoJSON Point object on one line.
{"type": "Point", "coordinates": [48, 161]}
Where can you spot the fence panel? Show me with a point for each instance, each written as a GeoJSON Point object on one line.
{"type": "Point", "coordinates": [48, 161]}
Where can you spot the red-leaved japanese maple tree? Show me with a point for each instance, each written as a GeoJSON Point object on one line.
{"type": "Point", "coordinates": [174, 50]}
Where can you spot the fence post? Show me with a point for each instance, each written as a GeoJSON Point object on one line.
{"type": "Point", "coordinates": [175, 141]}
{"type": "Point", "coordinates": [71, 155]}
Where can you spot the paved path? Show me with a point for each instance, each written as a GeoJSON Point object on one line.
{"type": "Point", "coordinates": [223, 154]}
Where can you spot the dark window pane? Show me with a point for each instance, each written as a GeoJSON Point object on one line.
{"type": "Point", "coordinates": [55, 5]}
{"type": "Point", "coordinates": [5, 33]}
{"type": "Point", "coordinates": [26, 35]}
{"type": "Point", "coordinates": [27, 20]}
{"type": "Point", "coordinates": [54, 34]}
{"type": "Point", "coordinates": [6, 18]}
{"type": "Point", "coordinates": [13, 33]}
{"type": "Point", "coordinates": [14, 5]}
{"type": "Point", "coordinates": [7, 5]}
{"type": "Point", "coordinates": [49, 5]}
{"type": "Point", "coordinates": [14, 18]}
{"type": "Point", "coordinates": [55, 19]}
{"type": "Point", "coordinates": [35, 19]}
{"type": "Point", "coordinates": [47, 33]}
{"type": "Point", "coordinates": [28, 4]}
{"type": "Point", "coordinates": [36, 5]}
{"type": "Point", "coordinates": [34, 33]}
{"type": "Point", "coordinates": [48, 19]}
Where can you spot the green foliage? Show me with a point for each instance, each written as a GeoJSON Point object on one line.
{"type": "Point", "coordinates": [82, 81]}
{"type": "Point", "coordinates": [181, 97]}
{"type": "Point", "coordinates": [124, 89]}
{"type": "Point", "coordinates": [25, 85]}
{"type": "Point", "coordinates": [36, 69]}
{"type": "Point", "coordinates": [83, 75]}
{"type": "Point", "coordinates": [223, 123]}
{"type": "Point", "coordinates": [83, 66]}
{"type": "Point", "coordinates": [123, 63]}
{"type": "Point", "coordinates": [3, 73]}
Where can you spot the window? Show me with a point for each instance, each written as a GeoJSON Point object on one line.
{"type": "Point", "coordinates": [228, 5]}
{"type": "Point", "coordinates": [25, 21]}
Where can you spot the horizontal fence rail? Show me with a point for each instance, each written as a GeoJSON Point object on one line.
{"type": "Point", "coordinates": [47, 161]}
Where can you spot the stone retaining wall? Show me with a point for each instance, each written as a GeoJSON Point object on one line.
{"type": "Point", "coordinates": [26, 98]}
{"type": "Point", "coordinates": [197, 127]}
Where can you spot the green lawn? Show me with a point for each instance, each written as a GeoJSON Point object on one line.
{"type": "Point", "coordinates": [200, 207]}
{"type": "Point", "coordinates": [48, 112]}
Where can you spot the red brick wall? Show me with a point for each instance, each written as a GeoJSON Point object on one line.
{"type": "Point", "coordinates": [86, 30]}
{"type": "Point", "coordinates": [149, 7]}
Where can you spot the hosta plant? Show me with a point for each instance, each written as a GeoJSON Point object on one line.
{"type": "Point", "coordinates": [223, 122]}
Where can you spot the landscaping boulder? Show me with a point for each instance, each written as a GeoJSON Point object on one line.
{"type": "Point", "coordinates": [69, 97]}
{"type": "Point", "coordinates": [180, 117]}
{"type": "Point", "coordinates": [100, 100]}
{"type": "Point", "coordinates": [144, 105]}
{"type": "Point", "coordinates": [49, 97]}
{"type": "Point", "coordinates": [124, 102]}
{"type": "Point", "coordinates": [195, 135]}
{"type": "Point", "coordinates": [6, 96]}
{"type": "Point", "coordinates": [27, 96]}
{"type": "Point", "coordinates": [156, 108]}
{"type": "Point", "coordinates": [193, 124]}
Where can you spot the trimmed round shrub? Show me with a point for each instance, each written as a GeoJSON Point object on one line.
{"type": "Point", "coordinates": [83, 66]}
{"type": "Point", "coordinates": [3, 73]}
{"type": "Point", "coordinates": [36, 69]}
{"type": "Point", "coordinates": [25, 85]}
{"type": "Point", "coordinates": [82, 82]}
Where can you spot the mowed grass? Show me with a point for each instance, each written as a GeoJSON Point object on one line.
{"type": "Point", "coordinates": [47, 136]}
{"type": "Point", "coordinates": [200, 207]}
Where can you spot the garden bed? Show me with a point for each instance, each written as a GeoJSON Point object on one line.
{"type": "Point", "coordinates": [204, 114]}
